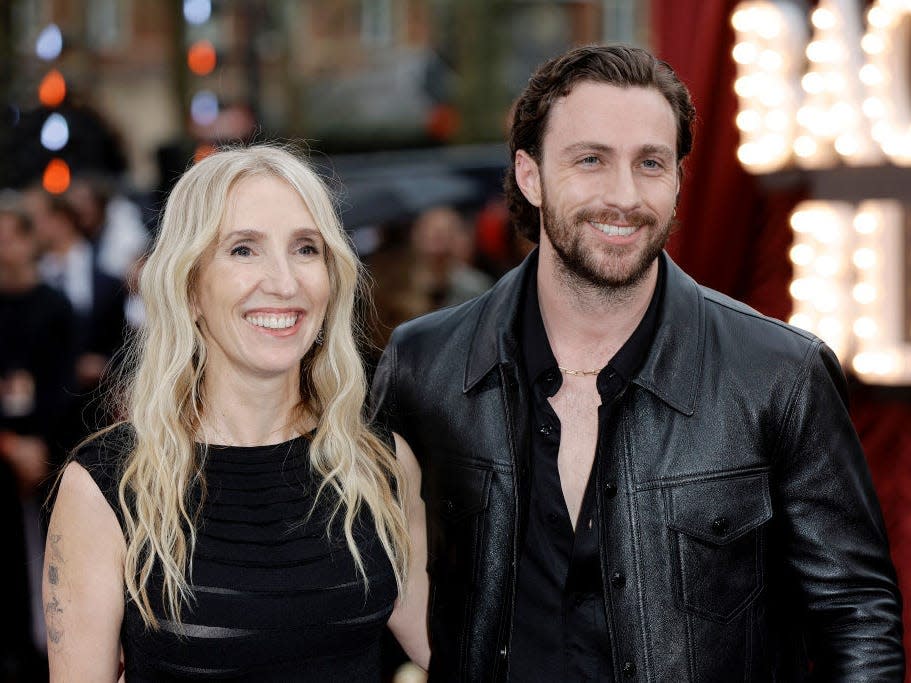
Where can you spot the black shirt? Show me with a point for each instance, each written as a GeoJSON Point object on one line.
{"type": "Point", "coordinates": [560, 630]}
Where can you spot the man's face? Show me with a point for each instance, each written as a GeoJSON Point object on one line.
{"type": "Point", "coordinates": [607, 182]}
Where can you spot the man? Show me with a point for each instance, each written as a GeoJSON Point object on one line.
{"type": "Point", "coordinates": [627, 475]}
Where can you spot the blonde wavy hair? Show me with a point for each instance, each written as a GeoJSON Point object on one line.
{"type": "Point", "coordinates": [164, 401]}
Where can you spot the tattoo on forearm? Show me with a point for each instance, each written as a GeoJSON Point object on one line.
{"type": "Point", "coordinates": [52, 607]}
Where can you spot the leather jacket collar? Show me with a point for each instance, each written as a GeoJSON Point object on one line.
{"type": "Point", "coordinates": [674, 363]}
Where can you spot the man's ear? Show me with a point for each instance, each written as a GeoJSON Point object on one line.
{"type": "Point", "coordinates": [528, 177]}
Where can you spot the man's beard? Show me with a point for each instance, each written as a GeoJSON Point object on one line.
{"type": "Point", "coordinates": [602, 268]}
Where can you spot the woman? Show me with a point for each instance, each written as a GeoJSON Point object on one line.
{"type": "Point", "coordinates": [243, 523]}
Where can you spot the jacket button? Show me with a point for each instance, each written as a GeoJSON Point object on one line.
{"type": "Point", "coordinates": [448, 506]}
{"type": "Point", "coordinates": [720, 525]}
{"type": "Point", "coordinates": [617, 580]}
{"type": "Point", "coordinates": [629, 669]}
{"type": "Point", "coordinates": [545, 430]}
{"type": "Point", "coordinates": [610, 488]}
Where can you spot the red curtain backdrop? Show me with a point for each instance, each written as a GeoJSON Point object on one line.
{"type": "Point", "coordinates": [733, 236]}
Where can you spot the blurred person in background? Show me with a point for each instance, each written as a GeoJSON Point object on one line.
{"type": "Point", "coordinates": [629, 476]}
{"type": "Point", "coordinates": [36, 364]}
{"type": "Point", "coordinates": [69, 263]}
{"type": "Point", "coordinates": [244, 522]}
{"type": "Point", "coordinates": [443, 247]}
{"type": "Point", "coordinates": [111, 222]}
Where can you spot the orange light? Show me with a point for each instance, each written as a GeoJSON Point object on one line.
{"type": "Point", "coordinates": [202, 151]}
{"type": "Point", "coordinates": [201, 57]}
{"type": "Point", "coordinates": [52, 89]}
{"type": "Point", "coordinates": [443, 122]}
{"type": "Point", "coordinates": [56, 177]}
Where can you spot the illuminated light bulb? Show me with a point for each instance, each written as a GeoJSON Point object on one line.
{"type": "Point", "coordinates": [55, 132]}
{"type": "Point", "coordinates": [826, 265]}
{"type": "Point", "coordinates": [872, 44]}
{"type": "Point", "coordinates": [874, 108]}
{"type": "Point", "coordinates": [801, 254]}
{"type": "Point", "coordinates": [865, 223]}
{"type": "Point", "coordinates": [768, 25]}
{"type": "Point", "coordinates": [52, 89]}
{"type": "Point", "coordinates": [201, 58]}
{"type": "Point", "coordinates": [803, 288]}
{"type": "Point", "coordinates": [803, 220]}
{"type": "Point", "coordinates": [881, 132]}
{"type": "Point", "coordinates": [746, 86]}
{"type": "Point", "coordinates": [823, 18]}
{"type": "Point", "coordinates": [748, 120]}
{"type": "Point", "coordinates": [777, 120]}
{"type": "Point", "coordinates": [197, 11]}
{"type": "Point", "coordinates": [870, 74]}
{"type": "Point", "coordinates": [842, 113]}
{"type": "Point", "coordinates": [864, 293]}
{"type": "Point", "coordinates": [805, 146]}
{"type": "Point", "coordinates": [824, 51]}
{"type": "Point", "coordinates": [827, 231]}
{"type": "Point", "coordinates": [801, 320]}
{"type": "Point", "coordinates": [56, 177]}
{"type": "Point", "coordinates": [878, 17]}
{"type": "Point", "coordinates": [813, 82]}
{"type": "Point", "coordinates": [745, 52]}
{"type": "Point", "coordinates": [826, 301]}
{"type": "Point", "coordinates": [204, 107]}
{"type": "Point", "coordinates": [771, 60]}
{"type": "Point", "coordinates": [806, 115]}
{"type": "Point", "coordinates": [864, 258]}
{"type": "Point", "coordinates": [830, 329]}
{"type": "Point", "coordinates": [865, 327]}
{"type": "Point", "coordinates": [49, 43]}
{"type": "Point", "coordinates": [864, 362]}
{"type": "Point", "coordinates": [742, 20]}
{"type": "Point", "coordinates": [847, 145]}
{"type": "Point", "coordinates": [750, 154]}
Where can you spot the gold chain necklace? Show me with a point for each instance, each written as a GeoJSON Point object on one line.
{"type": "Point", "coordinates": [577, 373]}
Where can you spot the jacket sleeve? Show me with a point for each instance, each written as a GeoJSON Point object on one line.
{"type": "Point", "coordinates": [833, 534]}
{"type": "Point", "coordinates": [383, 406]}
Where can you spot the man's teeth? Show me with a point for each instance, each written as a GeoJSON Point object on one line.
{"type": "Point", "coordinates": [615, 229]}
{"type": "Point", "coordinates": [273, 322]}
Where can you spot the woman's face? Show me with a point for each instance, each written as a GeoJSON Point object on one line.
{"type": "Point", "coordinates": [263, 287]}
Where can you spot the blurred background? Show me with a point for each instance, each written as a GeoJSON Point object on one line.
{"type": "Point", "coordinates": [793, 201]}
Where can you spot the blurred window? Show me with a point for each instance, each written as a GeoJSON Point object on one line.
{"type": "Point", "coordinates": [376, 22]}
{"type": "Point", "coordinates": [106, 23]}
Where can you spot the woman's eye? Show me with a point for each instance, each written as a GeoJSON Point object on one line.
{"type": "Point", "coordinates": [241, 250]}
{"type": "Point", "coordinates": [307, 249]}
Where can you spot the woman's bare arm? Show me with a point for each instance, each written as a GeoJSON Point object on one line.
{"type": "Point", "coordinates": [83, 582]}
{"type": "Point", "coordinates": [409, 618]}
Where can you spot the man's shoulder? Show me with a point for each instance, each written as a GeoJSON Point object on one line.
{"type": "Point", "coordinates": [753, 331]}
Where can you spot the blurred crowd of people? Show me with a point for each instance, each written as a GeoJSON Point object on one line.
{"type": "Point", "coordinates": [67, 264]}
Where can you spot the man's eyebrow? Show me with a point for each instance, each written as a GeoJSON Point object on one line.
{"type": "Point", "coordinates": [582, 147]}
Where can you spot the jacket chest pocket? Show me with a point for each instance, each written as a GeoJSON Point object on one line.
{"type": "Point", "coordinates": [717, 539]}
{"type": "Point", "coordinates": [457, 495]}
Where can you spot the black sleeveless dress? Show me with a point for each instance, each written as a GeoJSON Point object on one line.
{"type": "Point", "coordinates": [276, 598]}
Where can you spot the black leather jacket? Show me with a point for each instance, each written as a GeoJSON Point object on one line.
{"type": "Point", "coordinates": [736, 502]}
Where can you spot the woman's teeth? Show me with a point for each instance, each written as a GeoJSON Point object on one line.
{"type": "Point", "coordinates": [272, 322]}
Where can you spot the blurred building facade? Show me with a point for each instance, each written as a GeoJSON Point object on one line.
{"type": "Point", "coordinates": [345, 75]}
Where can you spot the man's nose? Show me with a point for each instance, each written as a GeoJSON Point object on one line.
{"type": "Point", "coordinates": [621, 190]}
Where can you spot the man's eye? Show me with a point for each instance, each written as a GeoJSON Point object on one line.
{"type": "Point", "coordinates": [590, 160]}
{"type": "Point", "coordinates": [651, 163]}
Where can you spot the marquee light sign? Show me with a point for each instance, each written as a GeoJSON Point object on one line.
{"type": "Point", "coordinates": [822, 94]}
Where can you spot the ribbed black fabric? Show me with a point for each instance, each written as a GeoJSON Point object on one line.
{"type": "Point", "coordinates": [276, 599]}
